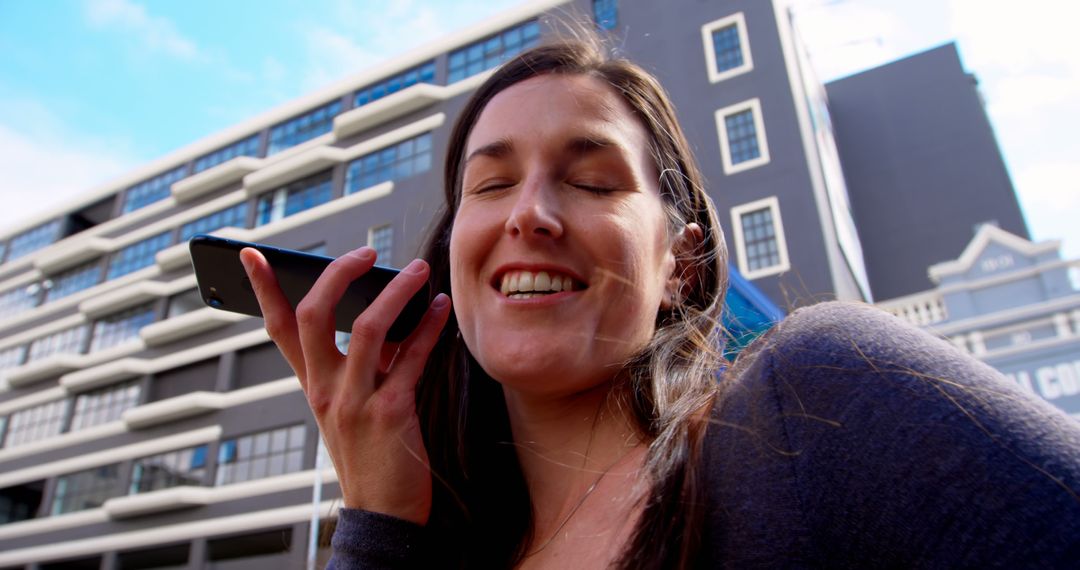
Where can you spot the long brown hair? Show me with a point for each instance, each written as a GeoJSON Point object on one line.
{"type": "Point", "coordinates": [481, 514]}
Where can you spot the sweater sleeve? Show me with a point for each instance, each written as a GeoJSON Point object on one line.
{"type": "Point", "coordinates": [894, 449]}
{"type": "Point", "coordinates": [373, 541]}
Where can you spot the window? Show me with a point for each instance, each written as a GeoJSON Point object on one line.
{"type": "Point", "coordinates": [119, 327]}
{"type": "Point", "coordinates": [153, 190]}
{"type": "Point", "coordinates": [87, 489]}
{"type": "Point", "coordinates": [490, 52]}
{"type": "Point", "coordinates": [303, 128]}
{"type": "Point", "coordinates": [759, 238]}
{"type": "Point", "coordinates": [172, 469]}
{"type": "Point", "coordinates": [421, 74]}
{"type": "Point", "coordinates": [22, 298]}
{"type": "Point", "coordinates": [138, 255]}
{"type": "Point", "coordinates": [184, 303]}
{"type": "Point", "coordinates": [233, 216]}
{"type": "Point", "coordinates": [12, 357]}
{"type": "Point", "coordinates": [266, 454]}
{"type": "Point", "coordinates": [606, 13]}
{"type": "Point", "coordinates": [395, 162]}
{"type": "Point", "coordinates": [67, 341]}
{"type": "Point", "coordinates": [21, 502]}
{"type": "Point", "coordinates": [37, 423]}
{"type": "Point", "coordinates": [246, 147]}
{"type": "Point", "coordinates": [742, 136]}
{"type": "Point", "coordinates": [74, 280]}
{"type": "Point", "coordinates": [727, 49]}
{"type": "Point", "coordinates": [293, 198]}
{"type": "Point", "coordinates": [35, 239]}
{"type": "Point", "coordinates": [104, 405]}
{"type": "Point", "coordinates": [382, 239]}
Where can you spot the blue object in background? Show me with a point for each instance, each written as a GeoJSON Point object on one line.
{"type": "Point", "coordinates": [747, 313]}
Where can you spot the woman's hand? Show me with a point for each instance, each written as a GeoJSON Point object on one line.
{"type": "Point", "coordinates": [364, 402]}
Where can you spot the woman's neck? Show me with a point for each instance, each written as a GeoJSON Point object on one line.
{"type": "Point", "coordinates": [567, 445]}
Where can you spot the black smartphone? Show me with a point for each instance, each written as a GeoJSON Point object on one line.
{"type": "Point", "coordinates": [223, 283]}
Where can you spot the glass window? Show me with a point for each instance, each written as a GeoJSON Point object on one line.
{"type": "Point", "coordinates": [742, 136]}
{"type": "Point", "coordinates": [36, 423]}
{"type": "Point", "coordinates": [184, 303]}
{"type": "Point", "coordinates": [34, 239]}
{"type": "Point", "coordinates": [490, 52]}
{"type": "Point", "coordinates": [20, 299]}
{"type": "Point", "coordinates": [87, 489]}
{"type": "Point", "coordinates": [153, 190]}
{"type": "Point", "coordinates": [119, 327]}
{"type": "Point", "coordinates": [138, 255]}
{"type": "Point", "coordinates": [67, 341]}
{"type": "Point", "coordinates": [303, 128]}
{"type": "Point", "coordinates": [245, 147]}
{"type": "Point", "coordinates": [727, 48]}
{"type": "Point", "coordinates": [759, 239]}
{"type": "Point", "coordinates": [606, 13]}
{"type": "Point", "coordinates": [12, 357]}
{"type": "Point", "coordinates": [395, 162]}
{"type": "Point", "coordinates": [293, 198]}
{"type": "Point", "coordinates": [233, 216]}
{"type": "Point", "coordinates": [104, 405]}
{"type": "Point", "coordinates": [265, 454]}
{"type": "Point", "coordinates": [74, 280]}
{"type": "Point", "coordinates": [421, 74]}
{"type": "Point", "coordinates": [172, 469]}
{"type": "Point", "coordinates": [382, 239]}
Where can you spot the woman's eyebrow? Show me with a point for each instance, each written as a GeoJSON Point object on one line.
{"type": "Point", "coordinates": [577, 145]}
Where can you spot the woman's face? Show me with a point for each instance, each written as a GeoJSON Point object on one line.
{"type": "Point", "coordinates": [560, 251]}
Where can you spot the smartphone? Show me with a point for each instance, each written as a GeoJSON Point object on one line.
{"type": "Point", "coordinates": [223, 283]}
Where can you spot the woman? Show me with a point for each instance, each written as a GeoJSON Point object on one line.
{"type": "Point", "coordinates": [568, 413]}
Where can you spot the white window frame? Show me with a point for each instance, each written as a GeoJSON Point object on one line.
{"type": "Point", "coordinates": [773, 204]}
{"type": "Point", "coordinates": [754, 105]}
{"type": "Point", "coordinates": [716, 76]}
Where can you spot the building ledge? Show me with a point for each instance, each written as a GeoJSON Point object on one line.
{"type": "Point", "coordinates": [186, 325]}
{"type": "Point", "coordinates": [39, 370]}
{"type": "Point", "coordinates": [292, 168]}
{"type": "Point", "coordinates": [70, 253]}
{"type": "Point", "coordinates": [174, 498]}
{"type": "Point", "coordinates": [134, 294]}
{"type": "Point", "coordinates": [388, 108]}
{"type": "Point", "coordinates": [107, 373]}
{"type": "Point", "coordinates": [172, 409]}
{"type": "Point", "coordinates": [211, 179]}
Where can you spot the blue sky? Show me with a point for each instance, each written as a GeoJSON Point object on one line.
{"type": "Point", "coordinates": [90, 89]}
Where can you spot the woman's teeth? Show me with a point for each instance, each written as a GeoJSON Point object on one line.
{"type": "Point", "coordinates": [528, 284]}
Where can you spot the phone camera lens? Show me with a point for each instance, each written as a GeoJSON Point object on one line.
{"type": "Point", "coordinates": [215, 302]}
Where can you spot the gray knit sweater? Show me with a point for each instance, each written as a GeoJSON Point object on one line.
{"type": "Point", "coordinates": [846, 439]}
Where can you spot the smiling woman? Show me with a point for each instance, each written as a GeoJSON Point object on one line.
{"type": "Point", "coordinates": [568, 412]}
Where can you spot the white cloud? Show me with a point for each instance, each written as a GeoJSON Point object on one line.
{"type": "Point", "coordinates": [154, 32]}
{"type": "Point", "coordinates": [44, 165]}
{"type": "Point", "coordinates": [849, 37]}
{"type": "Point", "coordinates": [1029, 74]}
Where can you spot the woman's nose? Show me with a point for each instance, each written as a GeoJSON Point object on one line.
{"type": "Point", "coordinates": [535, 213]}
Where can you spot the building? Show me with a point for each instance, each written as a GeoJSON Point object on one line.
{"type": "Point", "coordinates": [140, 429]}
{"type": "Point", "coordinates": [922, 166]}
{"type": "Point", "coordinates": [1013, 304]}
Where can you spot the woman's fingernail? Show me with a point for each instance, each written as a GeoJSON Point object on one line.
{"type": "Point", "coordinates": [244, 261]}
{"type": "Point", "coordinates": [416, 266]}
{"type": "Point", "coordinates": [440, 301]}
{"type": "Point", "coordinates": [364, 253]}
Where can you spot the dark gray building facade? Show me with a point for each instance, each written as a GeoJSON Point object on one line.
{"type": "Point", "coordinates": [140, 429]}
{"type": "Point", "coordinates": [922, 165]}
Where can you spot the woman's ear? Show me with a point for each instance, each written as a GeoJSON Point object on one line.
{"type": "Point", "coordinates": [684, 276]}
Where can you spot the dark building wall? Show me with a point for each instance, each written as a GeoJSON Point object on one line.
{"type": "Point", "coordinates": [665, 38]}
{"type": "Point", "coordinates": [922, 166]}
